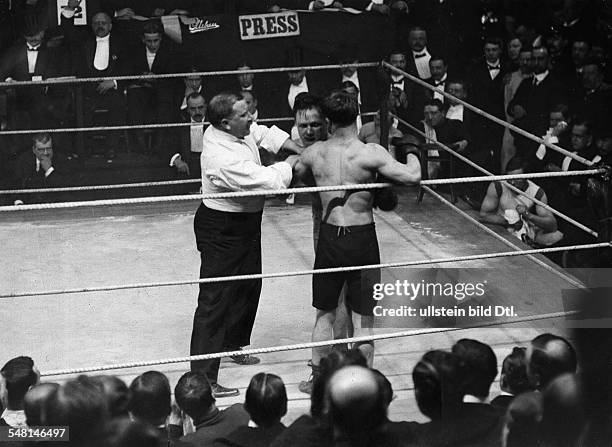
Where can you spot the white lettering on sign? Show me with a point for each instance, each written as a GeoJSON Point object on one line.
{"type": "Point", "coordinates": [267, 26]}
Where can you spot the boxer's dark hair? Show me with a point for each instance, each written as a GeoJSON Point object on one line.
{"type": "Point", "coordinates": [340, 108]}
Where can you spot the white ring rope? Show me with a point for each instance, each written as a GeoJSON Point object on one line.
{"type": "Point", "coordinates": [305, 272]}
{"type": "Point", "coordinates": [573, 281]}
{"type": "Point", "coordinates": [491, 175]}
{"type": "Point", "coordinates": [71, 80]}
{"type": "Point", "coordinates": [423, 182]}
{"type": "Point", "coordinates": [491, 117]}
{"type": "Point", "coordinates": [137, 126]}
{"type": "Point", "coordinates": [309, 345]}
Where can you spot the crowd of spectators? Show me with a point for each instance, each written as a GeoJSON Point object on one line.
{"type": "Point", "coordinates": [543, 66]}
{"type": "Point", "coordinates": [542, 403]}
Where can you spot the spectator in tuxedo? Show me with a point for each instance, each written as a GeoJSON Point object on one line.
{"type": "Point", "coordinates": [513, 378]}
{"type": "Point", "coordinates": [548, 357]}
{"type": "Point", "coordinates": [480, 366]}
{"type": "Point", "coordinates": [438, 388]}
{"type": "Point", "coordinates": [100, 54]}
{"type": "Point", "coordinates": [36, 403]}
{"type": "Point", "coordinates": [31, 59]}
{"type": "Point", "coordinates": [410, 96]}
{"type": "Point", "coordinates": [487, 93]}
{"type": "Point", "coordinates": [192, 84]}
{"type": "Point", "coordinates": [511, 84]}
{"type": "Point", "coordinates": [418, 60]}
{"type": "Point", "coordinates": [439, 75]}
{"type": "Point", "coordinates": [150, 101]}
{"type": "Point", "coordinates": [266, 403]}
{"type": "Point", "coordinates": [150, 402]}
{"type": "Point", "coordinates": [363, 80]}
{"type": "Point", "coordinates": [41, 168]}
{"type": "Point", "coordinates": [17, 376]}
{"type": "Point", "coordinates": [535, 97]}
{"type": "Point", "coordinates": [193, 395]}
{"type": "Point", "coordinates": [187, 161]}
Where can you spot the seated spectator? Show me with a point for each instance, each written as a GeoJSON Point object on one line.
{"type": "Point", "coordinates": [36, 403]}
{"type": "Point", "coordinates": [150, 100]}
{"type": "Point", "coordinates": [594, 99]}
{"type": "Point", "coordinates": [480, 366]}
{"type": "Point", "coordinates": [37, 169]}
{"type": "Point", "coordinates": [266, 403]}
{"type": "Point", "coordinates": [187, 161]}
{"type": "Point", "coordinates": [251, 102]}
{"type": "Point", "coordinates": [439, 74]}
{"type": "Point", "coordinates": [513, 378]}
{"type": "Point", "coordinates": [556, 134]}
{"type": "Point", "coordinates": [117, 395]}
{"type": "Point", "coordinates": [311, 430]}
{"type": "Point", "coordinates": [150, 402]}
{"type": "Point", "coordinates": [438, 388]}
{"type": "Point", "coordinates": [101, 53]}
{"type": "Point", "coordinates": [549, 356]}
{"type": "Point", "coordinates": [80, 405]}
{"type": "Point", "coordinates": [357, 410]}
{"type": "Point", "coordinates": [522, 421]}
{"type": "Point", "coordinates": [123, 432]}
{"type": "Point", "coordinates": [16, 377]}
{"type": "Point", "coordinates": [505, 207]}
{"type": "Point", "coordinates": [410, 97]}
{"type": "Point", "coordinates": [446, 131]}
{"type": "Point", "coordinates": [564, 416]}
{"type": "Point", "coordinates": [193, 395]}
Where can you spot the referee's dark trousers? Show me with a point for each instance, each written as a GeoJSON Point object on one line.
{"type": "Point", "coordinates": [229, 244]}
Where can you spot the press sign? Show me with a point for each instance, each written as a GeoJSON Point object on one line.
{"type": "Point", "coordinates": [267, 26]}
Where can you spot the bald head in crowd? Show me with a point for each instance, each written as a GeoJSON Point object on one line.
{"type": "Point", "coordinates": [563, 401]}
{"type": "Point", "coordinates": [356, 403]}
{"type": "Point", "coordinates": [549, 356]}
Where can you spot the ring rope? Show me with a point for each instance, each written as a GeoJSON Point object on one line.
{"type": "Point", "coordinates": [308, 345]}
{"type": "Point", "coordinates": [491, 117]}
{"type": "Point", "coordinates": [490, 175]}
{"type": "Point", "coordinates": [218, 279]}
{"type": "Point", "coordinates": [71, 80]}
{"type": "Point", "coordinates": [138, 126]}
{"type": "Point", "coordinates": [423, 182]}
{"type": "Point", "coordinates": [568, 278]}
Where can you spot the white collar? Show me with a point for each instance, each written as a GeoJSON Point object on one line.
{"type": "Point", "coordinates": [397, 78]}
{"type": "Point", "coordinates": [423, 51]}
{"type": "Point", "coordinates": [497, 63]}
{"type": "Point", "coordinates": [540, 77]}
{"type": "Point", "coordinates": [150, 53]}
{"type": "Point", "coordinates": [470, 399]}
{"type": "Point", "coordinates": [195, 122]}
{"type": "Point", "coordinates": [103, 39]}
{"type": "Point", "coordinates": [302, 85]}
{"type": "Point", "coordinates": [443, 80]}
{"type": "Point", "coordinates": [354, 79]}
{"type": "Point", "coordinates": [505, 393]}
{"type": "Point", "coordinates": [31, 47]}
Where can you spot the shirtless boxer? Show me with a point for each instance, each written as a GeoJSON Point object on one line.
{"type": "Point", "coordinates": [347, 235]}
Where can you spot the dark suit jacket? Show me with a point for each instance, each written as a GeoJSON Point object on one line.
{"type": "Point", "coordinates": [537, 101]}
{"type": "Point", "coordinates": [165, 60]}
{"type": "Point", "coordinates": [251, 437]}
{"type": "Point", "coordinates": [14, 63]}
{"type": "Point", "coordinates": [487, 93]}
{"type": "Point", "coordinates": [502, 402]}
{"type": "Point", "coordinates": [218, 425]}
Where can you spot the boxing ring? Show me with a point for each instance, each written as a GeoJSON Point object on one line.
{"type": "Point", "coordinates": [108, 285]}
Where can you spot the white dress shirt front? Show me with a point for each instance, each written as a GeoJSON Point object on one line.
{"type": "Point", "coordinates": [233, 164]}
{"type": "Point", "coordinates": [102, 53]}
{"type": "Point", "coordinates": [455, 112]}
{"type": "Point", "coordinates": [355, 80]}
{"type": "Point", "coordinates": [150, 58]}
{"type": "Point", "coordinates": [295, 90]}
{"type": "Point", "coordinates": [421, 60]}
{"type": "Point", "coordinates": [32, 57]}
{"type": "Point", "coordinates": [441, 84]}
{"type": "Point", "coordinates": [494, 69]}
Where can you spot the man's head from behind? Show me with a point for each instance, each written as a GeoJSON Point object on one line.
{"type": "Point", "coordinates": [355, 404]}
{"type": "Point", "coordinates": [438, 383]}
{"type": "Point", "coordinates": [266, 399]}
{"type": "Point", "coordinates": [150, 398]}
{"type": "Point", "coordinates": [341, 109]}
{"type": "Point", "coordinates": [36, 403]}
{"type": "Point", "coordinates": [17, 376]}
{"type": "Point", "coordinates": [229, 112]}
{"type": "Point", "coordinates": [194, 395]}
{"type": "Point", "coordinates": [196, 106]}
{"type": "Point", "coordinates": [513, 378]}
{"type": "Point", "coordinates": [564, 415]}
{"type": "Point", "coordinates": [309, 118]}
{"type": "Point", "coordinates": [117, 394]}
{"type": "Point", "coordinates": [480, 366]}
{"type": "Point", "coordinates": [549, 356]}
{"type": "Point", "coordinates": [152, 35]}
